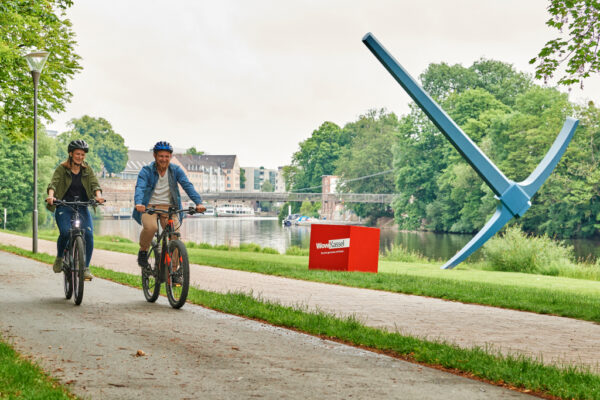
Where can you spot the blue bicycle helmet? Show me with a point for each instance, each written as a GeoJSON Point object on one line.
{"type": "Point", "coordinates": [162, 146]}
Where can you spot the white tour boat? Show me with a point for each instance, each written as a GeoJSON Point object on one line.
{"type": "Point", "coordinates": [234, 210]}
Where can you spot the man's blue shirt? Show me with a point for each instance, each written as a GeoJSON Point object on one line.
{"type": "Point", "coordinates": [146, 181]}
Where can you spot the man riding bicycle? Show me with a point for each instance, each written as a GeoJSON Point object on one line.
{"type": "Point", "coordinates": [156, 187]}
{"type": "Point", "coordinates": [72, 179]}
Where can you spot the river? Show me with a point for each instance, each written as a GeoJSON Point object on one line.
{"type": "Point", "coordinates": [268, 232]}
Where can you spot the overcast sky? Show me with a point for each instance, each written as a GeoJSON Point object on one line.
{"type": "Point", "coordinates": [254, 78]}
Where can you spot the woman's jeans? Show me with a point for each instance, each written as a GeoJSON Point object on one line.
{"type": "Point", "coordinates": [63, 216]}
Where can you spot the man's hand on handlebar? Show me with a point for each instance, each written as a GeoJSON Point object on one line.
{"type": "Point", "coordinates": [140, 208]}
{"type": "Point", "coordinates": [50, 200]}
{"type": "Point", "coordinates": [200, 208]}
{"type": "Point", "coordinates": [99, 199]}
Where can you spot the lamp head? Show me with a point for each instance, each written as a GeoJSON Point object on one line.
{"type": "Point", "coordinates": [36, 59]}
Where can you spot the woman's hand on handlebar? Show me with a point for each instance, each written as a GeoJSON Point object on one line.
{"type": "Point", "coordinates": [200, 208]}
{"type": "Point", "coordinates": [99, 199]}
{"type": "Point", "coordinates": [140, 208]}
{"type": "Point", "coordinates": [50, 200]}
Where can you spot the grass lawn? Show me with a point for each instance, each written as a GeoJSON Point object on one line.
{"type": "Point", "coordinates": [567, 297]}
{"type": "Point", "coordinates": [517, 372]}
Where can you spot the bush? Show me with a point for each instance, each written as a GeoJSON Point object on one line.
{"type": "Point", "coordinates": [296, 251]}
{"type": "Point", "coordinates": [401, 253]}
{"type": "Point", "coordinates": [251, 247]}
{"type": "Point", "coordinates": [519, 252]}
{"type": "Point", "coordinates": [269, 250]}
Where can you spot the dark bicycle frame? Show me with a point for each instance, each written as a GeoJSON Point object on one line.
{"type": "Point", "coordinates": [74, 232]}
{"type": "Point", "coordinates": [163, 237]}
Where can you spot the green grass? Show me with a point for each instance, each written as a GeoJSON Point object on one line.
{"type": "Point", "coordinates": [469, 283]}
{"type": "Point", "coordinates": [22, 379]}
{"type": "Point", "coordinates": [574, 298]}
{"type": "Point", "coordinates": [518, 372]}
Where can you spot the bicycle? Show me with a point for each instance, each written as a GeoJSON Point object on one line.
{"type": "Point", "coordinates": [74, 253]}
{"type": "Point", "coordinates": [167, 262]}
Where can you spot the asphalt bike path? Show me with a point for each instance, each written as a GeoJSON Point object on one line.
{"type": "Point", "coordinates": [118, 346]}
{"type": "Point", "coordinates": [551, 339]}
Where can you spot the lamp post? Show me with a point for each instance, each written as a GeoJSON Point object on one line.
{"type": "Point", "coordinates": [36, 60]}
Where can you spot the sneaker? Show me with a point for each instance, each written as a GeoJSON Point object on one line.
{"type": "Point", "coordinates": [177, 279]}
{"type": "Point", "coordinates": [143, 259]}
{"type": "Point", "coordinates": [58, 265]}
{"type": "Point", "coordinates": [87, 275]}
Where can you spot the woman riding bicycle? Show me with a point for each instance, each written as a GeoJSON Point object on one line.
{"type": "Point", "coordinates": [72, 179]}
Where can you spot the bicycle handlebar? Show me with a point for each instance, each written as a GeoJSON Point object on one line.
{"type": "Point", "coordinates": [190, 210]}
{"type": "Point", "coordinates": [91, 202]}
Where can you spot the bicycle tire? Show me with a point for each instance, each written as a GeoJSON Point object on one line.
{"type": "Point", "coordinates": [68, 283]}
{"type": "Point", "coordinates": [177, 294]}
{"type": "Point", "coordinates": [78, 267]}
{"type": "Point", "coordinates": [150, 279]}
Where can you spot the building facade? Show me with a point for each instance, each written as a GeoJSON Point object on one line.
{"type": "Point", "coordinates": [256, 177]}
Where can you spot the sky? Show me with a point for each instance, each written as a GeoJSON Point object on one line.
{"type": "Point", "coordinates": [255, 78]}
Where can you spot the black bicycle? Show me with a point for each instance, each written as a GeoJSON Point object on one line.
{"type": "Point", "coordinates": [167, 261]}
{"type": "Point", "coordinates": [74, 254]}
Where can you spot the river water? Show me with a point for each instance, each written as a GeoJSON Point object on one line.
{"type": "Point", "coordinates": [268, 232]}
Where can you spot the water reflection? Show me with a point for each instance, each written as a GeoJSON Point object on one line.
{"type": "Point", "coordinates": [268, 232]}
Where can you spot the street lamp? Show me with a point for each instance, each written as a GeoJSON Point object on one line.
{"type": "Point", "coordinates": [36, 60]}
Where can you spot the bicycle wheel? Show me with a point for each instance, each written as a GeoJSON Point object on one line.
{"type": "Point", "coordinates": [178, 273]}
{"type": "Point", "coordinates": [150, 278]}
{"type": "Point", "coordinates": [67, 277]}
{"type": "Point", "coordinates": [78, 267]}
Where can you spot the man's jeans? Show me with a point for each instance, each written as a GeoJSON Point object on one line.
{"type": "Point", "coordinates": [63, 220]}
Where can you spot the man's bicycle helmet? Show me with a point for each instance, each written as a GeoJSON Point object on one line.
{"type": "Point", "coordinates": [78, 145]}
{"type": "Point", "coordinates": [162, 146]}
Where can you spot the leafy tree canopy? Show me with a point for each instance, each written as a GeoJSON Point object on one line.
{"type": "Point", "coordinates": [34, 24]}
{"type": "Point", "coordinates": [107, 148]}
{"type": "Point", "coordinates": [192, 151]}
{"type": "Point", "coordinates": [578, 22]}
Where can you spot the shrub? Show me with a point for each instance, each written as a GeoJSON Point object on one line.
{"type": "Point", "coordinates": [269, 250]}
{"type": "Point", "coordinates": [397, 252]}
{"type": "Point", "coordinates": [251, 247]}
{"type": "Point", "coordinates": [296, 251]}
{"type": "Point", "coordinates": [519, 252]}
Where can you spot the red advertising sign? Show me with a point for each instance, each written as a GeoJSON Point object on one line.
{"type": "Point", "coordinates": [343, 248]}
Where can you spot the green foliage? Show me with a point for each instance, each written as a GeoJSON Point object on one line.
{"type": "Point", "coordinates": [41, 24]}
{"type": "Point", "coordinates": [297, 251]}
{"type": "Point", "coordinates": [192, 151]}
{"type": "Point", "coordinates": [107, 148]}
{"type": "Point", "coordinates": [370, 153]}
{"type": "Point", "coordinates": [316, 157]}
{"type": "Point", "coordinates": [401, 253]}
{"type": "Point", "coordinates": [242, 178]}
{"type": "Point", "coordinates": [578, 22]}
{"type": "Point", "coordinates": [16, 185]}
{"type": "Point", "coordinates": [514, 123]}
{"type": "Point", "coordinates": [516, 251]}
{"type": "Point", "coordinates": [310, 209]}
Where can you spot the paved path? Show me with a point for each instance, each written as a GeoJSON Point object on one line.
{"type": "Point", "coordinates": [553, 339]}
{"type": "Point", "coordinates": [194, 353]}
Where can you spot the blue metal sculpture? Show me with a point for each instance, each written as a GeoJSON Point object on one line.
{"type": "Point", "coordinates": [515, 198]}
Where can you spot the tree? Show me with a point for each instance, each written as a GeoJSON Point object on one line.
{"type": "Point", "coordinates": [370, 153]}
{"type": "Point", "coordinates": [192, 151]}
{"type": "Point", "coordinates": [41, 24]}
{"type": "Point", "coordinates": [107, 148]}
{"type": "Point", "coordinates": [16, 185]}
{"type": "Point", "coordinates": [242, 178]}
{"type": "Point", "coordinates": [578, 46]}
{"type": "Point", "coordinates": [316, 157]}
{"type": "Point", "coordinates": [266, 187]}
